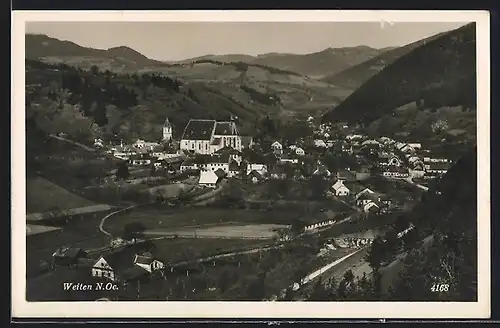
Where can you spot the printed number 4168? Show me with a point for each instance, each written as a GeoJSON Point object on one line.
{"type": "Point", "coordinates": [440, 287]}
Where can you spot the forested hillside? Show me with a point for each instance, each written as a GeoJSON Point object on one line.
{"type": "Point", "coordinates": [438, 75]}
{"type": "Point", "coordinates": [81, 103]}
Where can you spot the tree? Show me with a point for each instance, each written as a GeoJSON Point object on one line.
{"type": "Point", "coordinates": [376, 253]}
{"type": "Point", "coordinates": [133, 230]}
{"type": "Point", "coordinates": [122, 171]}
{"type": "Point", "coordinates": [349, 276]}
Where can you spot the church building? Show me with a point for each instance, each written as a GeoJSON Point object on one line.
{"type": "Point", "coordinates": [208, 136]}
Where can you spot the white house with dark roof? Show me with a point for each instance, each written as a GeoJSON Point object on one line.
{"type": "Point", "coordinates": [208, 136]}
{"type": "Point", "coordinates": [277, 148]}
{"type": "Point", "coordinates": [340, 189]}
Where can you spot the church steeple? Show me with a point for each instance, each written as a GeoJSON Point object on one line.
{"type": "Point", "coordinates": [167, 130]}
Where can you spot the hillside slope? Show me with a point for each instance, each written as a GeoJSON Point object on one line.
{"type": "Point", "coordinates": [449, 213]}
{"type": "Point", "coordinates": [354, 76]}
{"type": "Point", "coordinates": [438, 74]}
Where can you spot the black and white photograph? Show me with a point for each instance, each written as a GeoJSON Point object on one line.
{"type": "Point", "coordinates": [239, 158]}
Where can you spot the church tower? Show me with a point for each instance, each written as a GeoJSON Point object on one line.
{"type": "Point", "coordinates": [167, 130]}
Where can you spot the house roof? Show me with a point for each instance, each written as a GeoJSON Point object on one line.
{"type": "Point", "coordinates": [345, 175]}
{"type": "Point", "coordinates": [220, 173]}
{"type": "Point", "coordinates": [354, 187]}
{"type": "Point", "coordinates": [198, 129]}
{"type": "Point", "coordinates": [143, 259]}
{"type": "Point", "coordinates": [208, 177]}
{"type": "Point", "coordinates": [276, 144]}
{"type": "Point", "coordinates": [322, 169]}
{"type": "Point", "coordinates": [228, 150]}
{"type": "Point", "coordinates": [254, 173]}
{"type": "Point", "coordinates": [339, 185]}
{"type": "Point", "coordinates": [225, 129]}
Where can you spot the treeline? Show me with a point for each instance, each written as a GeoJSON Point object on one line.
{"type": "Point", "coordinates": [263, 98]}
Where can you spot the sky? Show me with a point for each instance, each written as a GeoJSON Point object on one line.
{"type": "Point", "coordinates": [182, 40]}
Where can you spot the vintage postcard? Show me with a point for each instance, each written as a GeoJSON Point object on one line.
{"type": "Point", "coordinates": [251, 164]}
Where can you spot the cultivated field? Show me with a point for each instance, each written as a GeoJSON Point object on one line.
{"type": "Point", "coordinates": [166, 219]}
{"type": "Point", "coordinates": [254, 231]}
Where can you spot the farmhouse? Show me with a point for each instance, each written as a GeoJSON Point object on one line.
{"type": "Point", "coordinates": [208, 136]}
{"type": "Point", "coordinates": [371, 207]}
{"type": "Point", "coordinates": [140, 159]}
{"type": "Point", "coordinates": [299, 151]}
{"type": "Point", "coordinates": [436, 168]}
{"type": "Point", "coordinates": [260, 168]}
{"type": "Point", "coordinates": [210, 178]}
{"type": "Point", "coordinates": [67, 256]}
{"type": "Point", "coordinates": [277, 148]}
{"type": "Point", "coordinates": [340, 189]}
{"type": "Point", "coordinates": [145, 145]}
{"type": "Point", "coordinates": [125, 265]}
{"type": "Point", "coordinates": [255, 176]}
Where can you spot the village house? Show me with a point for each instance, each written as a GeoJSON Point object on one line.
{"type": "Point", "coordinates": [98, 143]}
{"type": "Point", "coordinates": [395, 172]}
{"type": "Point", "coordinates": [347, 148]}
{"type": "Point", "coordinates": [145, 145]}
{"type": "Point", "coordinates": [371, 207]}
{"type": "Point", "coordinates": [231, 153]}
{"type": "Point", "coordinates": [255, 177]}
{"type": "Point", "coordinates": [68, 256]}
{"type": "Point", "coordinates": [189, 164]}
{"type": "Point", "coordinates": [352, 137]}
{"type": "Point", "coordinates": [299, 151]}
{"type": "Point", "coordinates": [260, 168]}
{"type": "Point", "coordinates": [436, 168]}
{"type": "Point", "coordinates": [124, 265]}
{"type": "Point", "coordinates": [210, 178]}
{"type": "Point", "coordinates": [319, 143]}
{"type": "Point", "coordinates": [345, 175]}
{"type": "Point", "coordinates": [322, 170]}
{"type": "Point", "coordinates": [208, 136]}
{"type": "Point", "coordinates": [141, 159]}
{"type": "Point", "coordinates": [340, 189]}
{"type": "Point", "coordinates": [415, 145]}
{"type": "Point", "coordinates": [277, 148]}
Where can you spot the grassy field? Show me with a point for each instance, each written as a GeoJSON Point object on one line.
{"type": "Point", "coordinates": [185, 249]}
{"type": "Point", "coordinates": [43, 195]}
{"type": "Point", "coordinates": [157, 218]}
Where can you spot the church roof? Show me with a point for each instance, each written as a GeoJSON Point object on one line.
{"type": "Point", "coordinates": [167, 123]}
{"type": "Point", "coordinates": [198, 129]}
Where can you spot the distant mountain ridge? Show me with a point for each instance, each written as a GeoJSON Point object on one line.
{"type": "Point", "coordinates": [441, 72]}
{"type": "Point", "coordinates": [324, 62]}
{"type": "Point", "coordinates": [41, 46]}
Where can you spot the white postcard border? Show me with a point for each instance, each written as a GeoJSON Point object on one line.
{"type": "Point", "coordinates": [325, 310]}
